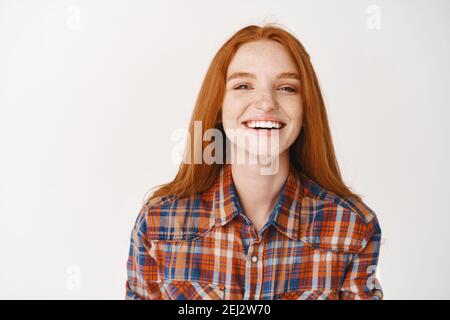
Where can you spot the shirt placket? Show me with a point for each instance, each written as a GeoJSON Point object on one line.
{"type": "Point", "coordinates": [254, 266]}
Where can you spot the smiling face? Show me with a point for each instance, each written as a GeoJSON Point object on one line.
{"type": "Point", "coordinates": [262, 97]}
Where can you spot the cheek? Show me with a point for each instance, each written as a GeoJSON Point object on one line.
{"type": "Point", "coordinates": [295, 113]}
{"type": "Point", "coordinates": [227, 112]}
{"type": "Point", "coordinates": [232, 110]}
{"type": "Point", "coordinates": [228, 118]}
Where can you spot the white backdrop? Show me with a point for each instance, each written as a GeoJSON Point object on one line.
{"type": "Point", "coordinates": [91, 92]}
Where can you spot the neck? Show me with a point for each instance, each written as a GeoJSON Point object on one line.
{"type": "Point", "coordinates": [258, 192]}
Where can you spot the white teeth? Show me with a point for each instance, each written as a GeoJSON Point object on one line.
{"type": "Point", "coordinates": [264, 124]}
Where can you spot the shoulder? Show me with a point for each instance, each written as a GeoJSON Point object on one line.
{"type": "Point", "coordinates": [172, 218]}
{"type": "Point", "coordinates": [336, 223]}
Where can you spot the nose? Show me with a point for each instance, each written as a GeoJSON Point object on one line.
{"type": "Point", "coordinates": [266, 103]}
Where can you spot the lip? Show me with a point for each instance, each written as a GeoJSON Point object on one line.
{"type": "Point", "coordinates": [264, 118]}
{"type": "Point", "coordinates": [263, 131]}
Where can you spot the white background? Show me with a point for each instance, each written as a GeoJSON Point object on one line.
{"type": "Point", "coordinates": [91, 92]}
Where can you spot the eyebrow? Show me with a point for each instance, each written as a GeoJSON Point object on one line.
{"type": "Point", "coordinates": [283, 75]}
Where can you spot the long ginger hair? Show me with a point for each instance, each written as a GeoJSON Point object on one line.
{"type": "Point", "coordinates": [312, 153]}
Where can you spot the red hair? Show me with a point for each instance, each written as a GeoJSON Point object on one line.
{"type": "Point", "coordinates": [312, 153]}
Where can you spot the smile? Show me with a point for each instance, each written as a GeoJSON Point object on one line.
{"type": "Point", "coordinates": [257, 124]}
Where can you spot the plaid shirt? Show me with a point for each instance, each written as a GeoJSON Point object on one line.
{"type": "Point", "coordinates": [315, 245]}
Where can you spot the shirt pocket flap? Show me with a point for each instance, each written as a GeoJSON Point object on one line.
{"type": "Point", "coordinates": [320, 294]}
{"type": "Point", "coordinates": [191, 290]}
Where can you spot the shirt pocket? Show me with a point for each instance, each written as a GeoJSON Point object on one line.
{"type": "Point", "coordinates": [320, 294]}
{"type": "Point", "coordinates": [191, 290]}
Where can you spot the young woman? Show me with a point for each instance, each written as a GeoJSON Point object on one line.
{"type": "Point", "coordinates": [238, 229]}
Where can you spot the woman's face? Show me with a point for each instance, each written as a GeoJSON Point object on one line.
{"type": "Point", "coordinates": [262, 98]}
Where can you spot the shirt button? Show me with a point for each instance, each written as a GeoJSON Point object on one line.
{"type": "Point", "coordinates": [254, 259]}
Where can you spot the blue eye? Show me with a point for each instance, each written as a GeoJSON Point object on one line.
{"type": "Point", "coordinates": [246, 87]}
{"type": "Point", "coordinates": [290, 89]}
{"type": "Point", "coordinates": [237, 88]}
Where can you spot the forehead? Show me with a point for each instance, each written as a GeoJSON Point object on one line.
{"type": "Point", "coordinates": [262, 55]}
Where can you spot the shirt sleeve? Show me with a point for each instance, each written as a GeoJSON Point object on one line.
{"type": "Point", "coordinates": [360, 282]}
{"type": "Point", "coordinates": [142, 268]}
